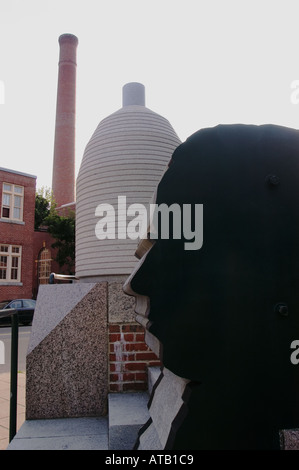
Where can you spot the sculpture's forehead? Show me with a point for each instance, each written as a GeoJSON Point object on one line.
{"type": "Point", "coordinates": [247, 179]}
{"type": "Point", "coordinates": [232, 157]}
{"type": "Point", "coordinates": [239, 173]}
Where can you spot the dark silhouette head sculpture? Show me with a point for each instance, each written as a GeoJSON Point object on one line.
{"type": "Point", "coordinates": [227, 313]}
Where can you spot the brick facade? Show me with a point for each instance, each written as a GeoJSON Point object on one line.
{"type": "Point", "coordinates": [129, 358]}
{"type": "Point", "coordinates": [18, 233]}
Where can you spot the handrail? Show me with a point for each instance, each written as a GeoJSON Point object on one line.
{"type": "Point", "coordinates": [7, 312]}
{"type": "Point", "coordinates": [61, 277]}
{"type": "Point", "coordinates": [11, 312]}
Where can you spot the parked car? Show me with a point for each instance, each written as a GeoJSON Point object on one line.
{"type": "Point", "coordinates": [25, 308]}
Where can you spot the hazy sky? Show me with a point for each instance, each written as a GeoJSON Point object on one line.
{"type": "Point", "coordinates": [202, 63]}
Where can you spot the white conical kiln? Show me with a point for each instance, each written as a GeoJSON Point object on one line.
{"type": "Point", "coordinates": [126, 156]}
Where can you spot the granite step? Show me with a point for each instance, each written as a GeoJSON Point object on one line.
{"type": "Point", "coordinates": [127, 413]}
{"type": "Point", "coordinates": [62, 434]}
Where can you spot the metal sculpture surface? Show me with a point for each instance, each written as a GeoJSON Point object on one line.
{"type": "Point", "coordinates": [226, 315]}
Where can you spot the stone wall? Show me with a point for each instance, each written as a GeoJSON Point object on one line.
{"type": "Point", "coordinates": [66, 366]}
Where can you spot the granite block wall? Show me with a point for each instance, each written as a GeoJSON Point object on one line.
{"type": "Point", "coordinates": [67, 355]}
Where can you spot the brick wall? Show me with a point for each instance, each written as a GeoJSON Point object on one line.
{"type": "Point", "coordinates": [129, 358]}
{"type": "Point", "coordinates": [20, 234]}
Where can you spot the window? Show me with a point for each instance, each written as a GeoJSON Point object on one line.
{"type": "Point", "coordinates": [12, 202]}
{"type": "Point", "coordinates": [44, 266]}
{"type": "Point", "coordinates": [10, 263]}
{"type": "Point", "coordinates": [16, 304]}
{"type": "Point", "coordinates": [29, 303]}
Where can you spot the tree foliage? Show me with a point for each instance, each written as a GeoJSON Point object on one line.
{"type": "Point", "coordinates": [60, 227]}
{"type": "Point", "coordinates": [44, 204]}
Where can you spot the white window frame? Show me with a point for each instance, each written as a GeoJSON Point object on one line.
{"type": "Point", "coordinates": [15, 191]}
{"type": "Point", "coordinates": [13, 255]}
{"type": "Point", "coordinates": [44, 266]}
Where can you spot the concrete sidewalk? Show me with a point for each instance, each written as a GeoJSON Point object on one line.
{"type": "Point", "coordinates": [84, 433]}
{"type": "Point", "coordinates": [62, 434]}
{"type": "Point", "coordinates": [5, 404]}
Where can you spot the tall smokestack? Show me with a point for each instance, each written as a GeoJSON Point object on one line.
{"type": "Point", "coordinates": [63, 179]}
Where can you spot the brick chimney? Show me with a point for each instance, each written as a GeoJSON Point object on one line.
{"type": "Point", "coordinates": [63, 179]}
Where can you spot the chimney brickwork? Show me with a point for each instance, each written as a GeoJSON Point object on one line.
{"type": "Point", "coordinates": [63, 182]}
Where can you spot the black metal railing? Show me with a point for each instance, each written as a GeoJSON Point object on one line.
{"type": "Point", "coordinates": [10, 312]}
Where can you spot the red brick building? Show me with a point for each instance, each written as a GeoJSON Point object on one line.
{"type": "Point", "coordinates": [26, 256]}
{"type": "Point", "coordinates": [17, 205]}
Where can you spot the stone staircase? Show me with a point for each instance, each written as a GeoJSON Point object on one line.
{"type": "Point", "coordinates": [127, 413]}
